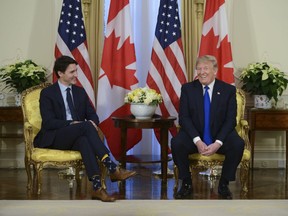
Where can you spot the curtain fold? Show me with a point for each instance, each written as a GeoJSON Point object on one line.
{"type": "Point", "coordinates": [94, 22]}
{"type": "Point", "coordinates": [192, 18]}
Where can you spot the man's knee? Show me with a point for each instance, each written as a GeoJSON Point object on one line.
{"type": "Point", "coordinates": [177, 144]}
{"type": "Point", "coordinates": [237, 145]}
{"type": "Point", "coordinates": [89, 127]}
{"type": "Point", "coordinates": [174, 143]}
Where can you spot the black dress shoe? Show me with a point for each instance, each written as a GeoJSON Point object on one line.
{"type": "Point", "coordinates": [184, 192]}
{"type": "Point", "coordinates": [224, 192]}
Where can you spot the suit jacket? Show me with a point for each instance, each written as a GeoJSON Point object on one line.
{"type": "Point", "coordinates": [223, 110]}
{"type": "Point", "coordinates": [53, 112]}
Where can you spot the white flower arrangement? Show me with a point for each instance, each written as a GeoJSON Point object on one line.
{"type": "Point", "coordinates": [22, 75]}
{"type": "Point", "coordinates": [144, 95]}
{"type": "Point", "coordinates": [261, 78]}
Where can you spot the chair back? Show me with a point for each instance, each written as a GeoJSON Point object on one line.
{"type": "Point", "coordinates": [31, 110]}
{"type": "Point", "coordinates": [241, 102]}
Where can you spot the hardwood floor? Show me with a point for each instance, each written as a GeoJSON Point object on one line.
{"type": "Point", "coordinates": [263, 184]}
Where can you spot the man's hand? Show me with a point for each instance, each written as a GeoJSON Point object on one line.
{"type": "Point", "coordinates": [93, 123]}
{"type": "Point", "coordinates": [201, 146]}
{"type": "Point", "coordinates": [75, 122]}
{"type": "Point", "coordinates": [211, 149]}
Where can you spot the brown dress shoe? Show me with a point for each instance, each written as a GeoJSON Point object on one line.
{"type": "Point", "coordinates": [102, 195]}
{"type": "Point", "coordinates": [121, 174]}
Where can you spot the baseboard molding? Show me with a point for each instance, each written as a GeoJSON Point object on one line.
{"type": "Point", "coordinates": [265, 163]}
{"type": "Point", "coordinates": [12, 163]}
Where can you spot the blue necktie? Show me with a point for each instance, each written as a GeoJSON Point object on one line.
{"type": "Point", "coordinates": [70, 104]}
{"type": "Point", "coordinates": [207, 134]}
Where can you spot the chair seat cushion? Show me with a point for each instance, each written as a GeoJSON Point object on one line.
{"type": "Point", "coordinates": [44, 155]}
{"type": "Point", "coordinates": [218, 157]}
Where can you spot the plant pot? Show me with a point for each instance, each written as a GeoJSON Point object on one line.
{"type": "Point", "coordinates": [142, 111]}
{"type": "Point", "coordinates": [262, 101]}
{"type": "Point", "coordinates": [18, 99]}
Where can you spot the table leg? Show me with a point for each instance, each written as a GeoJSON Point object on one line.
{"type": "Point", "coordinates": [252, 142]}
{"type": "Point", "coordinates": [286, 167]}
{"type": "Point", "coordinates": [164, 153]}
{"type": "Point", "coordinates": [123, 147]}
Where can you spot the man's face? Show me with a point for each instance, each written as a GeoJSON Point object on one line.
{"type": "Point", "coordinates": [206, 73]}
{"type": "Point", "coordinates": [69, 77]}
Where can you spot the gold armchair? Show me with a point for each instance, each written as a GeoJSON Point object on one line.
{"type": "Point", "coordinates": [197, 160]}
{"type": "Point", "coordinates": [39, 158]}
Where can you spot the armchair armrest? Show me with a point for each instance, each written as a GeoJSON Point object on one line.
{"type": "Point", "coordinates": [244, 133]}
{"type": "Point", "coordinates": [28, 136]}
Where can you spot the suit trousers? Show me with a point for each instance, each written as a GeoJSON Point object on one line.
{"type": "Point", "coordinates": [82, 137]}
{"type": "Point", "coordinates": [233, 146]}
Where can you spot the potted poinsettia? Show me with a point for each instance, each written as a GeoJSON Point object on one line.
{"type": "Point", "coordinates": [264, 80]}
{"type": "Point", "coordinates": [22, 75]}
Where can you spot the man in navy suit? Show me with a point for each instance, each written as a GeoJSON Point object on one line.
{"type": "Point", "coordinates": [69, 122]}
{"type": "Point", "coordinates": [224, 138]}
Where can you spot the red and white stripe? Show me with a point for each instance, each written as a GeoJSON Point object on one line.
{"type": "Point", "coordinates": [167, 74]}
{"type": "Point", "coordinates": [80, 54]}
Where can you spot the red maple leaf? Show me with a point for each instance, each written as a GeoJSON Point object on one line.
{"type": "Point", "coordinates": [223, 54]}
{"type": "Point", "coordinates": [115, 61]}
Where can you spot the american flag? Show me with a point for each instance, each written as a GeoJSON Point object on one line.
{"type": "Point", "coordinates": [71, 41]}
{"type": "Point", "coordinates": [168, 71]}
{"type": "Point", "coordinates": [215, 39]}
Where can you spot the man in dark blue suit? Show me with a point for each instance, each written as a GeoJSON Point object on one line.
{"type": "Point", "coordinates": [69, 122]}
{"type": "Point", "coordinates": [223, 137]}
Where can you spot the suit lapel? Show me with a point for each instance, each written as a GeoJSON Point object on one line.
{"type": "Point", "coordinates": [216, 96]}
{"type": "Point", "coordinates": [75, 98]}
{"type": "Point", "coordinates": [200, 106]}
{"type": "Point", "coordinates": [59, 99]}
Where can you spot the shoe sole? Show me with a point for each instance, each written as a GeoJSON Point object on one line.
{"type": "Point", "coordinates": [97, 198]}
{"type": "Point", "coordinates": [115, 180]}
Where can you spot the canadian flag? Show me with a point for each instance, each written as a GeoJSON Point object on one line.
{"type": "Point", "coordinates": [215, 39]}
{"type": "Point", "coordinates": [117, 76]}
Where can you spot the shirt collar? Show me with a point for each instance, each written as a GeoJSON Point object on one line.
{"type": "Point", "coordinates": [63, 87]}
{"type": "Point", "coordinates": [211, 85]}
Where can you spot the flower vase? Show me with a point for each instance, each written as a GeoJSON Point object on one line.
{"type": "Point", "coordinates": [143, 111]}
{"type": "Point", "coordinates": [262, 101]}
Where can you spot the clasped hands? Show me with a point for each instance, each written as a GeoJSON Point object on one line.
{"type": "Point", "coordinates": [207, 150]}
{"type": "Point", "coordinates": [93, 123]}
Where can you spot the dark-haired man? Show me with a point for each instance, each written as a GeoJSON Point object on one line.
{"type": "Point", "coordinates": [69, 122]}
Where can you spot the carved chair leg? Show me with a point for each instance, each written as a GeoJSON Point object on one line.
{"type": "Point", "coordinates": [244, 175]}
{"type": "Point", "coordinates": [29, 175]}
{"type": "Point", "coordinates": [77, 174]}
{"type": "Point", "coordinates": [39, 168]}
{"type": "Point", "coordinates": [176, 175]}
{"type": "Point", "coordinates": [103, 174]}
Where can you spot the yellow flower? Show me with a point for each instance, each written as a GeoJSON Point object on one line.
{"type": "Point", "coordinates": [143, 96]}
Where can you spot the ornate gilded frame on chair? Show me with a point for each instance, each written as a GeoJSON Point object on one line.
{"type": "Point", "coordinates": [38, 158]}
